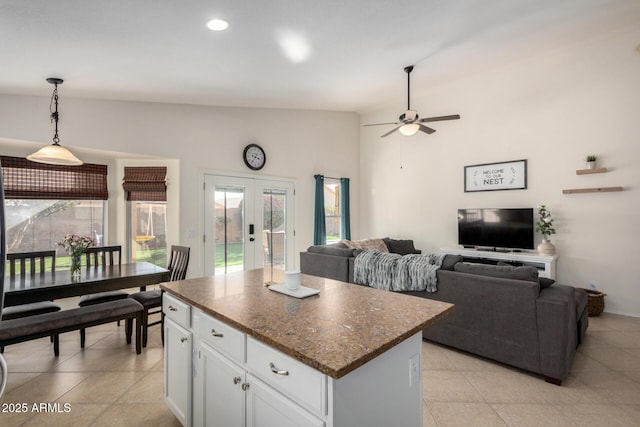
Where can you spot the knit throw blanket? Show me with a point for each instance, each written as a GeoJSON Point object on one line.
{"type": "Point", "coordinates": [393, 272]}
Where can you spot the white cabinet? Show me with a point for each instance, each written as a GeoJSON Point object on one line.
{"type": "Point", "coordinates": [220, 390]}
{"type": "Point", "coordinates": [225, 392]}
{"type": "Point", "coordinates": [177, 370]}
{"type": "Point", "coordinates": [216, 375]}
{"type": "Point", "coordinates": [268, 408]}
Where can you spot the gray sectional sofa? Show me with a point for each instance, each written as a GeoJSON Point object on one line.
{"type": "Point", "coordinates": [502, 312]}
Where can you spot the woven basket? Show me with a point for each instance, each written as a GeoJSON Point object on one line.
{"type": "Point", "coordinates": [595, 303]}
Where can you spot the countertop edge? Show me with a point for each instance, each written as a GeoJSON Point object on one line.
{"type": "Point", "coordinates": [336, 374]}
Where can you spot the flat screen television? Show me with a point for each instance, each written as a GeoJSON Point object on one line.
{"type": "Point", "coordinates": [510, 228]}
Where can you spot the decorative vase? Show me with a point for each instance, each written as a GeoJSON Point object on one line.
{"type": "Point", "coordinates": [591, 165]}
{"type": "Point", "coordinates": [76, 259]}
{"type": "Point", "coordinates": [546, 247]}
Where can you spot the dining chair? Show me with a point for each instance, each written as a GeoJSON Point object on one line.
{"type": "Point", "coordinates": [29, 264]}
{"type": "Point", "coordinates": [152, 300]}
{"type": "Point", "coordinates": [102, 257]}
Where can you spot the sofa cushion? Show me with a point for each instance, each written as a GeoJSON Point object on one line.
{"type": "Point", "coordinates": [450, 261]}
{"type": "Point", "coordinates": [331, 250]}
{"type": "Point", "coordinates": [402, 247]}
{"type": "Point", "coordinates": [505, 272]}
{"type": "Point", "coordinates": [372, 244]}
{"type": "Point", "coordinates": [542, 281]}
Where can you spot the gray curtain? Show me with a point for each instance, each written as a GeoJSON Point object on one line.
{"type": "Point", "coordinates": [319, 226]}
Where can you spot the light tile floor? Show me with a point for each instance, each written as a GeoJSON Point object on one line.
{"type": "Point", "coordinates": [108, 385]}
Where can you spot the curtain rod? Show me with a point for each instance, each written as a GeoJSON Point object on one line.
{"type": "Point", "coordinates": [330, 177]}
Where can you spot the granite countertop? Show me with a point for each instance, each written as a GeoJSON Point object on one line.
{"type": "Point", "coordinates": [335, 332]}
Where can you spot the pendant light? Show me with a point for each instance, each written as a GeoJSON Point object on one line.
{"type": "Point", "coordinates": [55, 154]}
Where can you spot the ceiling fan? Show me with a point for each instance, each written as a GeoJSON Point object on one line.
{"type": "Point", "coordinates": [409, 121]}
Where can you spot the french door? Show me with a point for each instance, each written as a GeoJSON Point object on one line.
{"type": "Point", "coordinates": [249, 223]}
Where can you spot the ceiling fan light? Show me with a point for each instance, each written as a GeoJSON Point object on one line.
{"type": "Point", "coordinates": [409, 129]}
{"type": "Point", "coordinates": [55, 155]}
{"type": "Point", "coordinates": [217, 24]}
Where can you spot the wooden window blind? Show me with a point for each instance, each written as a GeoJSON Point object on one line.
{"type": "Point", "coordinates": [24, 179]}
{"type": "Point", "coordinates": [145, 183]}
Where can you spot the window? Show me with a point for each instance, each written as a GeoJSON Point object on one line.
{"type": "Point", "coordinates": [148, 231]}
{"type": "Point", "coordinates": [45, 202]}
{"type": "Point", "coordinates": [332, 210]}
{"type": "Point", "coordinates": [331, 216]}
{"type": "Point", "coordinates": [146, 190]}
{"type": "Point", "coordinates": [37, 225]}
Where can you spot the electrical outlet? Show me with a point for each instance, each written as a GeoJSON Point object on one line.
{"type": "Point", "coordinates": [414, 370]}
{"type": "Point", "coordinates": [592, 284]}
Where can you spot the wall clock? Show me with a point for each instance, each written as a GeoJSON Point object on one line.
{"type": "Point", "coordinates": [254, 157]}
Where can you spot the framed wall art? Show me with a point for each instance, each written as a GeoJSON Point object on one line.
{"type": "Point", "coordinates": [496, 176]}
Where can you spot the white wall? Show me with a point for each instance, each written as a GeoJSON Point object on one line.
{"type": "Point", "coordinates": [552, 110]}
{"type": "Point", "coordinates": [298, 144]}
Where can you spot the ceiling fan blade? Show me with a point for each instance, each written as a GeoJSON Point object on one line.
{"type": "Point", "coordinates": [378, 124]}
{"type": "Point", "coordinates": [426, 129]}
{"type": "Point", "coordinates": [391, 131]}
{"type": "Point", "coordinates": [440, 118]}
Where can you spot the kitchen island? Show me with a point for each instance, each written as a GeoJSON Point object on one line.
{"type": "Point", "coordinates": [237, 353]}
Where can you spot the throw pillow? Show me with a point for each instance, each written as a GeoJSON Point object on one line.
{"type": "Point", "coordinates": [449, 262]}
{"type": "Point", "coordinates": [545, 282]}
{"type": "Point", "coordinates": [505, 272]}
{"type": "Point", "coordinates": [402, 247]}
{"type": "Point", "coordinates": [367, 245]}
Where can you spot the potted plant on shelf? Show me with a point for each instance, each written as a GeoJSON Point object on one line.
{"type": "Point", "coordinates": [545, 227]}
{"type": "Point", "coordinates": [591, 161]}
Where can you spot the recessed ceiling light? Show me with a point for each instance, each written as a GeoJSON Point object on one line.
{"type": "Point", "coordinates": [217, 24]}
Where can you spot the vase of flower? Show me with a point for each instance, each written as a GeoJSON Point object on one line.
{"type": "Point", "coordinates": [76, 246]}
{"type": "Point", "coordinates": [545, 227]}
{"type": "Point", "coordinates": [76, 260]}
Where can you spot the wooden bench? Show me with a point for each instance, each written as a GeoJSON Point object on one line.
{"type": "Point", "coordinates": [51, 324]}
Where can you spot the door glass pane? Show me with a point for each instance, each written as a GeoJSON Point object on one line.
{"type": "Point", "coordinates": [149, 232]}
{"type": "Point", "coordinates": [229, 229]}
{"type": "Point", "coordinates": [274, 236]}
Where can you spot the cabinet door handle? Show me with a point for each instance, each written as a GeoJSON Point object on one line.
{"type": "Point", "coordinates": [183, 339]}
{"type": "Point", "coordinates": [277, 371]}
{"type": "Point", "coordinates": [245, 386]}
{"type": "Point", "coordinates": [216, 334]}
{"type": "Point", "coordinates": [172, 308]}
{"type": "Point", "coordinates": [236, 380]}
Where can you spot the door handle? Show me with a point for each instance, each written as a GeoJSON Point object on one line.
{"type": "Point", "coordinates": [251, 229]}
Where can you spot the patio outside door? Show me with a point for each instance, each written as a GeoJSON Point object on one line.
{"type": "Point", "coordinates": [248, 224]}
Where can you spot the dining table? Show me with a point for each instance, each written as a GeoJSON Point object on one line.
{"type": "Point", "coordinates": [61, 284]}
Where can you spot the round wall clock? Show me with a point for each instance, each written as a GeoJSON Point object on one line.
{"type": "Point", "coordinates": [254, 157]}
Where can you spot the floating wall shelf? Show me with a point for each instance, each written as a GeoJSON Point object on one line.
{"type": "Point", "coordinates": [592, 190]}
{"type": "Point", "coordinates": [588, 171]}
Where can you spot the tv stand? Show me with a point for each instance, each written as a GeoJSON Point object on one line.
{"type": "Point", "coordinates": [546, 265]}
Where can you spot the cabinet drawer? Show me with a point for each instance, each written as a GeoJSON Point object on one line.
{"type": "Point", "coordinates": [176, 310]}
{"type": "Point", "coordinates": [296, 380]}
{"type": "Point", "coordinates": [223, 337]}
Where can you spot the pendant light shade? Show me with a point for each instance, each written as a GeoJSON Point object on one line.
{"type": "Point", "coordinates": [55, 154]}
